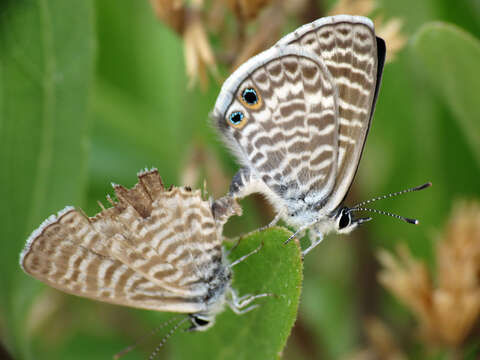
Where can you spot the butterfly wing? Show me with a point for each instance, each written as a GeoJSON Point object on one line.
{"type": "Point", "coordinates": [354, 57]}
{"type": "Point", "coordinates": [155, 249]}
{"type": "Point", "coordinates": [288, 138]}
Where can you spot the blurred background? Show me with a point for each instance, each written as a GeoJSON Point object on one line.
{"type": "Point", "coordinates": [93, 91]}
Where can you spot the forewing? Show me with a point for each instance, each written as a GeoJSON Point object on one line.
{"type": "Point", "coordinates": [348, 47]}
{"type": "Point", "coordinates": [152, 250]}
{"type": "Point", "coordinates": [288, 139]}
{"type": "Point", "coordinates": [69, 254]}
{"type": "Point", "coordinates": [178, 244]}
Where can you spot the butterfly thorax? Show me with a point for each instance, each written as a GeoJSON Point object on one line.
{"type": "Point", "coordinates": [218, 281]}
{"type": "Point", "coordinates": [299, 212]}
{"type": "Point", "coordinates": [325, 226]}
{"type": "Point", "coordinates": [314, 218]}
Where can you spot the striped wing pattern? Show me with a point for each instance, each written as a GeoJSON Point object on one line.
{"type": "Point", "coordinates": [318, 87]}
{"type": "Point", "coordinates": [348, 48]}
{"type": "Point", "coordinates": [280, 140]}
{"type": "Point", "coordinates": [154, 249]}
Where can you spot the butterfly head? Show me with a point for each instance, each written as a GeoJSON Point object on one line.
{"type": "Point", "coordinates": [201, 322]}
{"type": "Point", "coordinates": [345, 222]}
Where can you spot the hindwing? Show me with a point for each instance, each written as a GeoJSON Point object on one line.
{"type": "Point", "coordinates": [155, 249]}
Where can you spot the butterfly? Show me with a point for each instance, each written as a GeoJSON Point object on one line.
{"type": "Point", "coordinates": [297, 116]}
{"type": "Point", "coordinates": [156, 248]}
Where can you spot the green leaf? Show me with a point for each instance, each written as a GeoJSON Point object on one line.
{"type": "Point", "coordinates": [261, 333]}
{"type": "Point", "coordinates": [449, 59]}
{"type": "Point", "coordinates": [46, 70]}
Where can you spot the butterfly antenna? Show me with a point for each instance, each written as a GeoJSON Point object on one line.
{"type": "Point", "coordinates": [143, 338]}
{"type": "Point", "coordinates": [165, 338]}
{"type": "Point", "coordinates": [416, 188]}
{"type": "Point", "coordinates": [408, 220]}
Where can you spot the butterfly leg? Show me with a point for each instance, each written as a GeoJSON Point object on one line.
{"type": "Point", "coordinates": [271, 223]}
{"type": "Point", "coordinates": [243, 184]}
{"type": "Point", "coordinates": [315, 239]}
{"type": "Point", "coordinates": [227, 205]}
{"type": "Point", "coordinates": [239, 305]}
{"type": "Point", "coordinates": [241, 237]}
{"type": "Point", "coordinates": [246, 256]}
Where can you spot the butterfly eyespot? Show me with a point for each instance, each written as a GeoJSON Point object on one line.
{"type": "Point", "coordinates": [237, 119]}
{"type": "Point", "coordinates": [251, 98]}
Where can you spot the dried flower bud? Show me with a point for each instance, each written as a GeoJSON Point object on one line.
{"type": "Point", "coordinates": [408, 279]}
{"type": "Point", "coordinates": [353, 7]}
{"type": "Point", "coordinates": [247, 9]}
{"type": "Point", "coordinates": [198, 53]}
{"type": "Point", "coordinates": [271, 23]}
{"type": "Point", "coordinates": [390, 31]}
{"type": "Point", "coordinates": [448, 311]}
{"type": "Point", "coordinates": [171, 12]}
{"type": "Point", "coordinates": [187, 22]}
{"type": "Point", "coordinates": [381, 343]}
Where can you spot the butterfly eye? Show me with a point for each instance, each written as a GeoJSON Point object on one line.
{"type": "Point", "coordinates": [201, 322]}
{"type": "Point", "coordinates": [237, 119]}
{"type": "Point", "coordinates": [345, 220]}
{"type": "Point", "coordinates": [251, 98]}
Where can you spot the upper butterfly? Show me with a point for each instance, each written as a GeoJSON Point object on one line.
{"type": "Point", "coordinates": [297, 116]}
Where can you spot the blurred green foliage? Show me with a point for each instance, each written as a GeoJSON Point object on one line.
{"type": "Point", "coordinates": [447, 50]}
{"type": "Point", "coordinates": [46, 82]}
{"type": "Point", "coordinates": [93, 91]}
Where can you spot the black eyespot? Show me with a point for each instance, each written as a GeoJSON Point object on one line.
{"type": "Point", "coordinates": [250, 96]}
{"type": "Point", "coordinates": [344, 220]}
{"type": "Point", "coordinates": [236, 117]}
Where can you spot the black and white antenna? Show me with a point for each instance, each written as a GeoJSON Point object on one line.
{"type": "Point", "coordinates": [165, 338]}
{"type": "Point", "coordinates": [359, 207]}
{"type": "Point", "coordinates": [150, 334]}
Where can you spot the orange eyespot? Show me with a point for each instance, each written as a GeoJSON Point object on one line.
{"type": "Point", "coordinates": [237, 119]}
{"type": "Point", "coordinates": [251, 98]}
